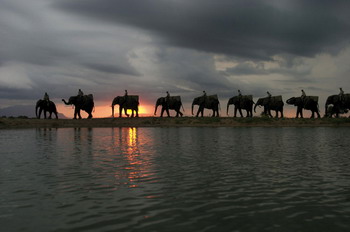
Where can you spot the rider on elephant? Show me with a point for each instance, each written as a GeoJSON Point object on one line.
{"type": "Point", "coordinates": [204, 97]}
{"type": "Point", "coordinates": [239, 94]}
{"type": "Point", "coordinates": [126, 95]}
{"type": "Point", "coordinates": [303, 95]}
{"type": "Point", "coordinates": [341, 95]}
{"type": "Point", "coordinates": [167, 99]}
{"type": "Point", "coordinates": [47, 99]}
{"type": "Point", "coordinates": [269, 96]}
{"type": "Point", "coordinates": [80, 93]}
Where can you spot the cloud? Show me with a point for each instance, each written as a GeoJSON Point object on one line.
{"type": "Point", "coordinates": [184, 47]}
{"type": "Point", "coordinates": [254, 30]}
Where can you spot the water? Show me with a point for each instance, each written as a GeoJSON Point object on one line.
{"type": "Point", "coordinates": [175, 179]}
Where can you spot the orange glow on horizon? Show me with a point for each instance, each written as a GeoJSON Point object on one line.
{"type": "Point", "coordinates": [104, 111]}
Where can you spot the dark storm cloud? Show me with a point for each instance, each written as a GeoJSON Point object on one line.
{"type": "Point", "coordinates": [111, 69]}
{"type": "Point", "coordinates": [250, 29]}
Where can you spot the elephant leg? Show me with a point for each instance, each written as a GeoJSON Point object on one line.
{"type": "Point", "coordinates": [167, 111]}
{"type": "Point", "coordinates": [90, 114]}
{"type": "Point", "coordinates": [235, 112]}
{"type": "Point", "coordinates": [75, 113]}
{"type": "Point", "coordinates": [120, 111]}
{"type": "Point", "coordinates": [126, 112]}
{"type": "Point", "coordinates": [270, 114]}
{"type": "Point", "coordinates": [240, 112]}
{"type": "Point", "coordinates": [45, 114]}
{"type": "Point", "coordinates": [312, 114]}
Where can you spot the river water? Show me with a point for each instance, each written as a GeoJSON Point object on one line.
{"type": "Point", "coordinates": [175, 179]}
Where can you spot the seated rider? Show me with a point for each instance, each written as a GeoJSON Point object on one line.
{"type": "Point", "coordinates": [46, 98]}
{"type": "Point", "coordinates": [204, 96]}
{"type": "Point", "coordinates": [239, 93]}
{"type": "Point", "coordinates": [303, 95]}
{"type": "Point", "coordinates": [126, 95]}
{"type": "Point", "coordinates": [80, 93]}
{"type": "Point", "coordinates": [269, 96]}
{"type": "Point", "coordinates": [167, 98]}
{"type": "Point", "coordinates": [341, 94]}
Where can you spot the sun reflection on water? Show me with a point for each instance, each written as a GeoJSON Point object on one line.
{"type": "Point", "coordinates": [136, 159]}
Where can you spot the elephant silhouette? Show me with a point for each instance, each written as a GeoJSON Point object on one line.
{"type": "Point", "coordinates": [271, 103]}
{"type": "Point", "coordinates": [85, 102]}
{"type": "Point", "coordinates": [244, 102]}
{"type": "Point", "coordinates": [126, 102]}
{"type": "Point", "coordinates": [174, 103]}
{"type": "Point", "coordinates": [46, 106]}
{"type": "Point", "coordinates": [307, 103]}
{"type": "Point", "coordinates": [207, 102]}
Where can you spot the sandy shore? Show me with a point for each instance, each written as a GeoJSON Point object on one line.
{"type": "Point", "coordinates": [12, 123]}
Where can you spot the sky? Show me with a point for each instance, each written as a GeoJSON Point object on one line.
{"type": "Point", "coordinates": [152, 46]}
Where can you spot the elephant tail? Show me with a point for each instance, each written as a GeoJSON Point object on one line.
{"type": "Point", "coordinates": [182, 107]}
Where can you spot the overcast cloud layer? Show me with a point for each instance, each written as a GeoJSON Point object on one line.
{"type": "Point", "coordinates": [153, 46]}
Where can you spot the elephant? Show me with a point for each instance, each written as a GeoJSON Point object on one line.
{"type": "Point", "coordinates": [244, 102]}
{"type": "Point", "coordinates": [308, 103]}
{"type": "Point", "coordinates": [271, 103]}
{"type": "Point", "coordinates": [46, 107]}
{"type": "Point", "coordinates": [208, 102]}
{"type": "Point", "coordinates": [126, 102]}
{"type": "Point", "coordinates": [339, 105]}
{"type": "Point", "coordinates": [331, 110]}
{"type": "Point", "coordinates": [173, 104]}
{"type": "Point", "coordinates": [85, 103]}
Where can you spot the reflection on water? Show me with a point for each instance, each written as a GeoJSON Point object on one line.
{"type": "Point", "coordinates": [175, 179]}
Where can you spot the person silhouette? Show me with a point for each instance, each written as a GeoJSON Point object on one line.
{"type": "Point", "coordinates": [80, 93]}
{"type": "Point", "coordinates": [46, 99]}
{"type": "Point", "coordinates": [341, 94]}
{"type": "Point", "coordinates": [303, 95]}
{"type": "Point", "coordinates": [239, 93]}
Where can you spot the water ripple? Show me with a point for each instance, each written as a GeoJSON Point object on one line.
{"type": "Point", "coordinates": [175, 179]}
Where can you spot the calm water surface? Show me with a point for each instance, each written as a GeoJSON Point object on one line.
{"type": "Point", "coordinates": [175, 179]}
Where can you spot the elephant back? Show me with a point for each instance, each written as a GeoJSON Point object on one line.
{"type": "Point", "coordinates": [247, 97]}
{"type": "Point", "coordinates": [277, 98]}
{"type": "Point", "coordinates": [174, 100]}
{"type": "Point", "coordinates": [311, 98]}
{"type": "Point", "coordinates": [214, 96]}
{"type": "Point", "coordinates": [132, 100]}
{"type": "Point", "coordinates": [211, 99]}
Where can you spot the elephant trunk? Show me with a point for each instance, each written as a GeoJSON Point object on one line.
{"type": "Point", "coordinates": [155, 110]}
{"type": "Point", "coordinates": [192, 108]}
{"type": "Point", "coordinates": [112, 111]}
{"type": "Point", "coordinates": [67, 103]}
{"type": "Point", "coordinates": [36, 110]}
{"type": "Point", "coordinates": [255, 107]}
{"type": "Point", "coordinates": [228, 105]}
{"type": "Point", "coordinates": [326, 109]}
